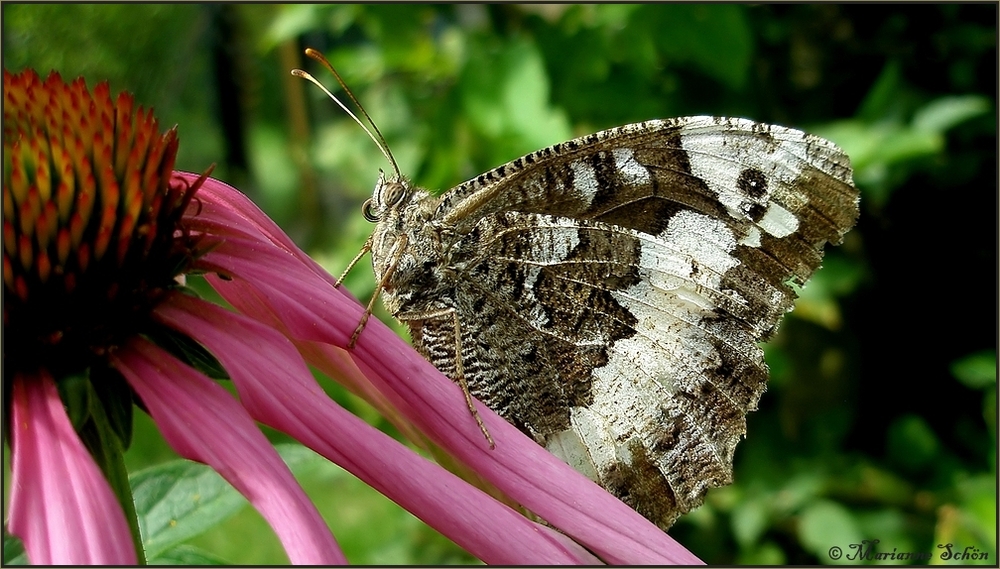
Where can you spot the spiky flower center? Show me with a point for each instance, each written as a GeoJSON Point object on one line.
{"type": "Point", "coordinates": [92, 223]}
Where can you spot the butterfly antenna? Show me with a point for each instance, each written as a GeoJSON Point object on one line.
{"type": "Point", "coordinates": [380, 141]}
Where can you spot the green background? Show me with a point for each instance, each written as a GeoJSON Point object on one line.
{"type": "Point", "coordinates": [880, 418]}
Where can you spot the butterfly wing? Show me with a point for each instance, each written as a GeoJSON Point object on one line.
{"type": "Point", "coordinates": [765, 182]}
{"type": "Point", "coordinates": [626, 278]}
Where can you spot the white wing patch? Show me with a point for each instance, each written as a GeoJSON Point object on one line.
{"type": "Point", "coordinates": [778, 221]}
{"type": "Point", "coordinates": [584, 180]}
{"type": "Point", "coordinates": [701, 237]}
{"type": "Point", "coordinates": [633, 173]}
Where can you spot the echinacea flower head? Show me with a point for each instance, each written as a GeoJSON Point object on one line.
{"type": "Point", "coordinates": [95, 243]}
{"type": "Point", "coordinates": [92, 225]}
{"type": "Point", "coordinates": [99, 234]}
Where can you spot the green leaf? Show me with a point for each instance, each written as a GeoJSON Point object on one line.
{"type": "Point", "coordinates": [291, 21]}
{"type": "Point", "coordinates": [883, 96]}
{"type": "Point", "coordinates": [911, 442]}
{"type": "Point", "coordinates": [76, 393]}
{"type": "Point", "coordinates": [978, 500]}
{"type": "Point", "coordinates": [479, 89]}
{"type": "Point", "coordinates": [825, 524]}
{"type": "Point", "coordinates": [907, 144]}
{"type": "Point", "coordinates": [506, 97]}
{"type": "Point", "coordinates": [750, 521]}
{"type": "Point", "coordinates": [768, 553]}
{"type": "Point", "coordinates": [978, 370]}
{"type": "Point", "coordinates": [13, 550]}
{"type": "Point", "coordinates": [890, 527]}
{"type": "Point", "coordinates": [969, 525]}
{"type": "Point", "coordinates": [940, 115]}
{"type": "Point", "coordinates": [858, 140]}
{"type": "Point", "coordinates": [526, 99]}
{"type": "Point", "coordinates": [189, 351]}
{"type": "Point", "coordinates": [186, 555]}
{"type": "Point", "coordinates": [179, 500]}
{"type": "Point", "coordinates": [115, 396]}
{"type": "Point", "coordinates": [716, 38]}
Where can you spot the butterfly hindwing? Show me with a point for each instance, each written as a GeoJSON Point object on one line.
{"type": "Point", "coordinates": [612, 340]}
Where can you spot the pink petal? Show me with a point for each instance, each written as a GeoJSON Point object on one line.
{"type": "Point", "coordinates": [226, 211]}
{"type": "Point", "coordinates": [277, 388]}
{"type": "Point", "coordinates": [61, 506]}
{"type": "Point", "coordinates": [203, 422]}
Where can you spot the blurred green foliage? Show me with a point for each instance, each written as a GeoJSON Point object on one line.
{"type": "Point", "coordinates": [880, 420]}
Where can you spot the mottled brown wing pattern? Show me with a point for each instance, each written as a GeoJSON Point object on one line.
{"type": "Point", "coordinates": [611, 290]}
{"type": "Point", "coordinates": [637, 387]}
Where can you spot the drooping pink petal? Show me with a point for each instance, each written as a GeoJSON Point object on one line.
{"type": "Point", "coordinates": [227, 211]}
{"type": "Point", "coordinates": [277, 389]}
{"type": "Point", "coordinates": [61, 506]}
{"type": "Point", "coordinates": [203, 422]}
{"type": "Point", "coordinates": [268, 286]}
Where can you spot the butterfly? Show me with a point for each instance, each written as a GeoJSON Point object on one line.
{"type": "Point", "coordinates": [607, 295]}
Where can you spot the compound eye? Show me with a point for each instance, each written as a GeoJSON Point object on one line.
{"type": "Point", "coordinates": [394, 194]}
{"type": "Point", "coordinates": [366, 210]}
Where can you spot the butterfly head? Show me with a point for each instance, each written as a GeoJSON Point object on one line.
{"type": "Point", "coordinates": [388, 199]}
{"type": "Point", "coordinates": [403, 216]}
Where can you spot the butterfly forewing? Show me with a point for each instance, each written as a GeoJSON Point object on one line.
{"type": "Point", "coordinates": [611, 291]}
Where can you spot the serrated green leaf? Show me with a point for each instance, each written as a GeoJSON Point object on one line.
{"type": "Point", "coordinates": [181, 499]}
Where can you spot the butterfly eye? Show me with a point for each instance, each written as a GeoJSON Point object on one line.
{"type": "Point", "coordinates": [366, 210]}
{"type": "Point", "coordinates": [393, 194]}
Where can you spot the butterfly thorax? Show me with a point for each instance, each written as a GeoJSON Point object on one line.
{"type": "Point", "coordinates": [405, 238]}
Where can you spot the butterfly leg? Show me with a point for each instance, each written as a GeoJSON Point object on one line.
{"type": "Point", "coordinates": [459, 375]}
{"type": "Point", "coordinates": [390, 269]}
{"type": "Point", "coordinates": [364, 249]}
